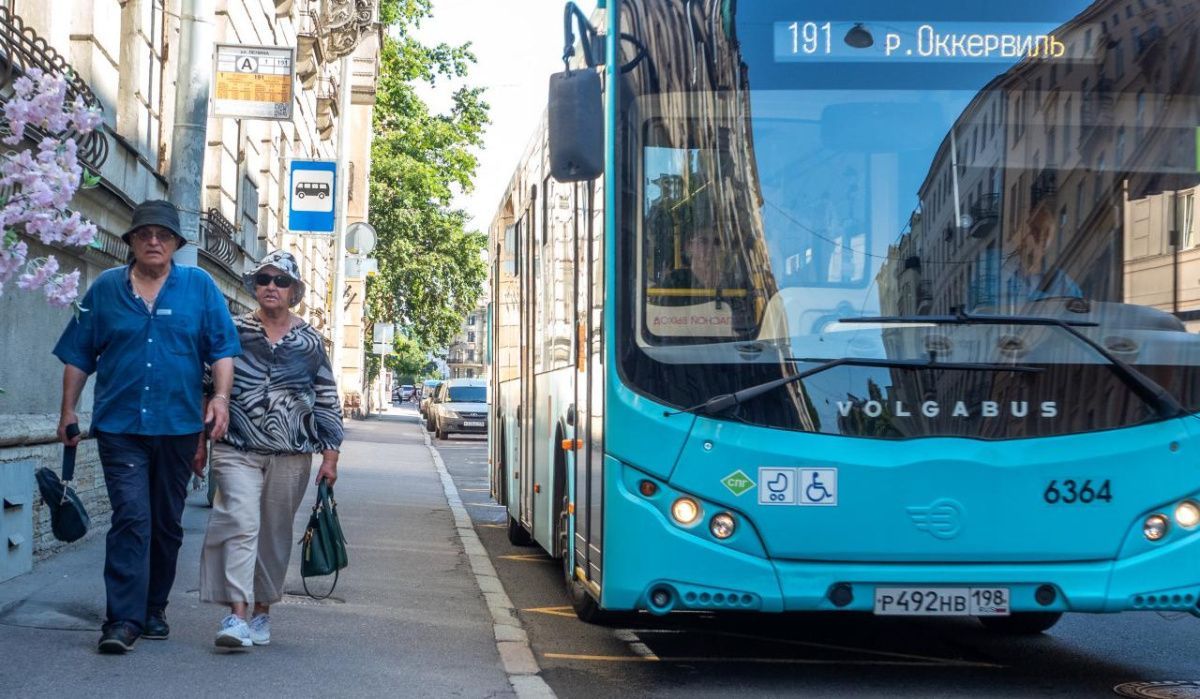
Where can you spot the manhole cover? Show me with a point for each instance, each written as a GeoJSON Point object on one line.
{"type": "Point", "coordinates": [53, 616]}
{"type": "Point", "coordinates": [1180, 689]}
{"type": "Point", "coordinates": [304, 600]}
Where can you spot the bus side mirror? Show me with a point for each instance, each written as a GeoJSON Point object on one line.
{"type": "Point", "coordinates": [576, 126]}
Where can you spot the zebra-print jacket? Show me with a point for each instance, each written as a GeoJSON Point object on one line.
{"type": "Point", "coordinates": [284, 398]}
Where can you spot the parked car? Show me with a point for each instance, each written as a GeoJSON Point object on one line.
{"type": "Point", "coordinates": [406, 392]}
{"type": "Point", "coordinates": [428, 388]}
{"type": "Point", "coordinates": [460, 405]}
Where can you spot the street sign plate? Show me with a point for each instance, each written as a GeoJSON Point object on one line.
{"type": "Point", "coordinates": [358, 267]}
{"type": "Point", "coordinates": [254, 82]}
{"type": "Point", "coordinates": [311, 189]}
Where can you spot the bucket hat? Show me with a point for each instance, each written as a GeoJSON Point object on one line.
{"type": "Point", "coordinates": [156, 212]}
{"type": "Point", "coordinates": [284, 262]}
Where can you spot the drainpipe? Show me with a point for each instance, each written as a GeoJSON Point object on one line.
{"type": "Point", "coordinates": [339, 223]}
{"type": "Point", "coordinates": [193, 75]}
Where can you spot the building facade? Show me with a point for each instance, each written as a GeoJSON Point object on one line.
{"type": "Point", "coordinates": [125, 54]}
{"type": "Point", "coordinates": [465, 358]}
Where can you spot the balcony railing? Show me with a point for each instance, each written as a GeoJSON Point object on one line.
{"type": "Point", "coordinates": [1044, 186]}
{"type": "Point", "coordinates": [984, 214]}
{"type": "Point", "coordinates": [22, 49]}
{"type": "Point", "coordinates": [218, 238]}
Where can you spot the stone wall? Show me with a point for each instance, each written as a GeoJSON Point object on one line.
{"type": "Point", "coordinates": [31, 438]}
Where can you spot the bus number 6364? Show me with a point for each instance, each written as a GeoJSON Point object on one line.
{"type": "Point", "coordinates": [1071, 491]}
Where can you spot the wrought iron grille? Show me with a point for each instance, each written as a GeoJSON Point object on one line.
{"type": "Point", "coordinates": [21, 49]}
{"type": "Point", "coordinates": [217, 238]}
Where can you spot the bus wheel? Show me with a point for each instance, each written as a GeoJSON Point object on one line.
{"type": "Point", "coordinates": [517, 535]}
{"type": "Point", "coordinates": [1021, 623]}
{"type": "Point", "coordinates": [587, 609]}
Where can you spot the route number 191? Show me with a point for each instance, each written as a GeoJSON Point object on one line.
{"type": "Point", "coordinates": [1070, 492]}
{"type": "Point", "coordinates": [807, 37]}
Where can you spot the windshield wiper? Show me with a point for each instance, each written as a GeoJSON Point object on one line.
{"type": "Point", "coordinates": [1165, 404]}
{"type": "Point", "coordinates": [725, 401]}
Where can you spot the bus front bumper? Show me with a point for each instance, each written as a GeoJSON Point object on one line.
{"type": "Point", "coordinates": [661, 566]}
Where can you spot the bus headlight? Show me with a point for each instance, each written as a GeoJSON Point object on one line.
{"type": "Point", "coordinates": [1187, 514]}
{"type": "Point", "coordinates": [1155, 527]}
{"type": "Point", "coordinates": [685, 511]}
{"type": "Point", "coordinates": [722, 525]}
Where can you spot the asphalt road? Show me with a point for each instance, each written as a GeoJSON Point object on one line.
{"type": "Point", "coordinates": [818, 655]}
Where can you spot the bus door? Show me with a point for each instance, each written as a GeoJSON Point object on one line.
{"type": "Point", "coordinates": [526, 410]}
{"type": "Point", "coordinates": [589, 381]}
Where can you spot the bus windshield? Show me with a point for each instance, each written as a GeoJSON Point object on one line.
{"type": "Point", "coordinates": [812, 163]}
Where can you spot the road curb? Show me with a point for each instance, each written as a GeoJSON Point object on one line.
{"type": "Point", "coordinates": [512, 642]}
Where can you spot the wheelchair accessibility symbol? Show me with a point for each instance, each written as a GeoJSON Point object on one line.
{"type": "Point", "coordinates": [777, 486]}
{"type": "Point", "coordinates": [818, 486]}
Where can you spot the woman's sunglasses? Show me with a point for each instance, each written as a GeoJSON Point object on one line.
{"type": "Point", "coordinates": [282, 281]}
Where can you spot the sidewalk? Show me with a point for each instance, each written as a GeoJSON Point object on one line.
{"type": "Point", "coordinates": [408, 619]}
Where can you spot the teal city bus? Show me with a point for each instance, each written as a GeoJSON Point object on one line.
{"type": "Point", "coordinates": [816, 305]}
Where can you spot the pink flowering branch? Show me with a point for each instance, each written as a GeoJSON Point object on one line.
{"type": "Point", "coordinates": [44, 180]}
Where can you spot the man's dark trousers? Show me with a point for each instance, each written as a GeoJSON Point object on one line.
{"type": "Point", "coordinates": [147, 479]}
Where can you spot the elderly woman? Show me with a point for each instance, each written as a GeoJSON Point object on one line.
{"type": "Point", "coordinates": [283, 409]}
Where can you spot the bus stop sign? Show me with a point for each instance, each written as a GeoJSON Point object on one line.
{"type": "Point", "coordinates": [310, 195]}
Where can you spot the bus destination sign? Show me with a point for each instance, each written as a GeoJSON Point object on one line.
{"type": "Point", "coordinates": [820, 40]}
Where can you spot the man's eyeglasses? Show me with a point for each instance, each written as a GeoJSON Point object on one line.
{"type": "Point", "coordinates": [146, 234]}
{"type": "Point", "coordinates": [282, 281]}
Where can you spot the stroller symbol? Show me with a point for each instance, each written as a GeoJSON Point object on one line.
{"type": "Point", "coordinates": [779, 488]}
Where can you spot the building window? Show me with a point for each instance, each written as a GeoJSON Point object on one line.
{"type": "Point", "coordinates": [1186, 218]}
{"type": "Point", "coordinates": [1098, 173]}
{"type": "Point", "coordinates": [1141, 114]}
{"type": "Point", "coordinates": [470, 336]}
{"type": "Point", "coordinates": [1061, 234]}
{"type": "Point", "coordinates": [1079, 206]}
{"type": "Point", "coordinates": [471, 319]}
{"type": "Point", "coordinates": [1120, 146]}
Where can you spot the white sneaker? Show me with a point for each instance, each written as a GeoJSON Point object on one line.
{"type": "Point", "coordinates": [260, 629]}
{"type": "Point", "coordinates": [234, 633]}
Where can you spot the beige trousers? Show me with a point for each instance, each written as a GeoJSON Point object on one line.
{"type": "Point", "coordinates": [249, 540]}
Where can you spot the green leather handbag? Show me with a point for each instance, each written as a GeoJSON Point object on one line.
{"type": "Point", "coordinates": [323, 547]}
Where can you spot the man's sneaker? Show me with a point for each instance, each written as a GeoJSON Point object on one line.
{"type": "Point", "coordinates": [117, 638]}
{"type": "Point", "coordinates": [234, 633]}
{"type": "Point", "coordinates": [260, 629]}
{"type": "Point", "coordinates": [156, 627]}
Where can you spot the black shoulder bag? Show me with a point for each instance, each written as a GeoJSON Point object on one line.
{"type": "Point", "coordinates": [69, 520]}
{"type": "Point", "coordinates": [323, 547]}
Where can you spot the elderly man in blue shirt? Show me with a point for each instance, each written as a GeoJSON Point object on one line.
{"type": "Point", "coordinates": [146, 330]}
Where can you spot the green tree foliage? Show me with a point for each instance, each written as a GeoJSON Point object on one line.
{"type": "Point", "coordinates": [408, 359]}
{"type": "Point", "coordinates": [430, 266]}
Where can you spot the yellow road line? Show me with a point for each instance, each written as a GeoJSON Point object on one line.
{"type": "Point", "coordinates": [758, 661]}
{"type": "Point", "coordinates": [492, 526]}
{"type": "Point", "coordinates": [475, 490]}
{"type": "Point", "coordinates": [852, 649]}
{"type": "Point", "coordinates": [527, 557]}
{"type": "Point", "coordinates": [601, 658]}
{"type": "Point", "coordinates": [553, 611]}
